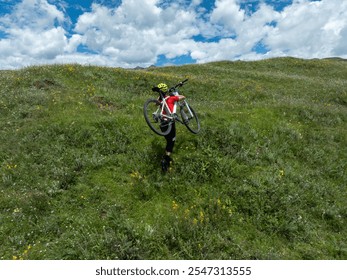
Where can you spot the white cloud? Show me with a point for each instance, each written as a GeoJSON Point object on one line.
{"type": "Point", "coordinates": [340, 49]}
{"type": "Point", "coordinates": [45, 45]}
{"type": "Point", "coordinates": [309, 29]}
{"type": "Point", "coordinates": [304, 29]}
{"type": "Point", "coordinates": [137, 32]}
{"type": "Point", "coordinates": [227, 13]}
{"type": "Point", "coordinates": [34, 34]}
{"type": "Point", "coordinates": [35, 14]}
{"type": "Point", "coordinates": [72, 43]}
{"type": "Point", "coordinates": [255, 28]}
{"type": "Point", "coordinates": [224, 49]}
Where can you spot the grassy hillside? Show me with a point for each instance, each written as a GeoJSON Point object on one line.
{"type": "Point", "coordinates": [265, 179]}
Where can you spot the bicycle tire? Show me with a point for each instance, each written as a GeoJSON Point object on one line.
{"type": "Point", "coordinates": [190, 120]}
{"type": "Point", "coordinates": [150, 110]}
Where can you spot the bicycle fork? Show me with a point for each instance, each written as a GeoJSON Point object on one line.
{"type": "Point", "coordinates": [184, 115]}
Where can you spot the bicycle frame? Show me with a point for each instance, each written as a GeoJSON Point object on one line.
{"type": "Point", "coordinates": [160, 118]}
{"type": "Point", "coordinates": [163, 110]}
{"type": "Point", "coordinates": [165, 113]}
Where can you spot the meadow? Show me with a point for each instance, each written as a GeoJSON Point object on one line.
{"type": "Point", "coordinates": [266, 177]}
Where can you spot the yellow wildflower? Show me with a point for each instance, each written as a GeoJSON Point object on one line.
{"type": "Point", "coordinates": [136, 175]}
{"type": "Point", "coordinates": [201, 217]}
{"type": "Point", "coordinates": [186, 213]}
{"type": "Point", "coordinates": [174, 205]}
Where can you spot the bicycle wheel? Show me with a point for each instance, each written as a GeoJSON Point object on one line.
{"type": "Point", "coordinates": [190, 119]}
{"type": "Point", "coordinates": [151, 111]}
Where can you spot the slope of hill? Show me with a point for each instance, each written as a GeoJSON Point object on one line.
{"type": "Point", "coordinates": [265, 178]}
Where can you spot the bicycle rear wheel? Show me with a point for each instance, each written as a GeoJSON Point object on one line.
{"type": "Point", "coordinates": [190, 119]}
{"type": "Point", "coordinates": [153, 117]}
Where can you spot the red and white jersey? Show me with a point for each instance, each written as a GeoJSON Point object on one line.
{"type": "Point", "coordinates": [171, 100]}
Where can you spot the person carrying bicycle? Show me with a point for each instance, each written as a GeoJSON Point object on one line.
{"type": "Point", "coordinates": [171, 98]}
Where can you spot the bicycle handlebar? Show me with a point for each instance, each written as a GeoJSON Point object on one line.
{"type": "Point", "coordinates": [178, 85]}
{"type": "Point", "coordinates": [156, 89]}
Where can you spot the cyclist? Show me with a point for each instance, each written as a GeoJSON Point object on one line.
{"type": "Point", "coordinates": [171, 99]}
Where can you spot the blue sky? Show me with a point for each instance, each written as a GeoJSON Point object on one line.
{"type": "Point", "coordinates": [130, 33]}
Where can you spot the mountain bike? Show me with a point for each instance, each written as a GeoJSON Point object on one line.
{"type": "Point", "coordinates": [159, 117]}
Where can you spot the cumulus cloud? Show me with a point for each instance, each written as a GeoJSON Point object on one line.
{"type": "Point", "coordinates": [35, 14]}
{"type": "Point", "coordinates": [303, 29]}
{"type": "Point", "coordinates": [34, 34]}
{"type": "Point", "coordinates": [309, 29]}
{"type": "Point", "coordinates": [132, 33]}
{"type": "Point", "coordinates": [137, 32]}
{"type": "Point", "coordinates": [228, 13]}
{"type": "Point", "coordinates": [340, 49]}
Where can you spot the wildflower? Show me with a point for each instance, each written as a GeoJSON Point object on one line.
{"type": "Point", "coordinates": [201, 217]}
{"type": "Point", "coordinates": [71, 69]}
{"type": "Point", "coordinates": [174, 205]}
{"type": "Point", "coordinates": [281, 173]}
{"type": "Point", "coordinates": [186, 213]}
{"type": "Point", "coordinates": [91, 90]}
{"type": "Point", "coordinates": [11, 166]}
{"type": "Point", "coordinates": [136, 175]}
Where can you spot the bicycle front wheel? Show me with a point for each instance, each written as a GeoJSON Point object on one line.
{"type": "Point", "coordinates": [153, 117]}
{"type": "Point", "coordinates": [190, 119]}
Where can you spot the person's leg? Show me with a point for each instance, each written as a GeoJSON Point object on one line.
{"type": "Point", "coordinates": [170, 142]}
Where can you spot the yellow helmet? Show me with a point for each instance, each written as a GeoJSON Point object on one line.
{"type": "Point", "coordinates": [163, 87]}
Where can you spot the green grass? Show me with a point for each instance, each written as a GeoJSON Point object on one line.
{"type": "Point", "coordinates": [265, 179]}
